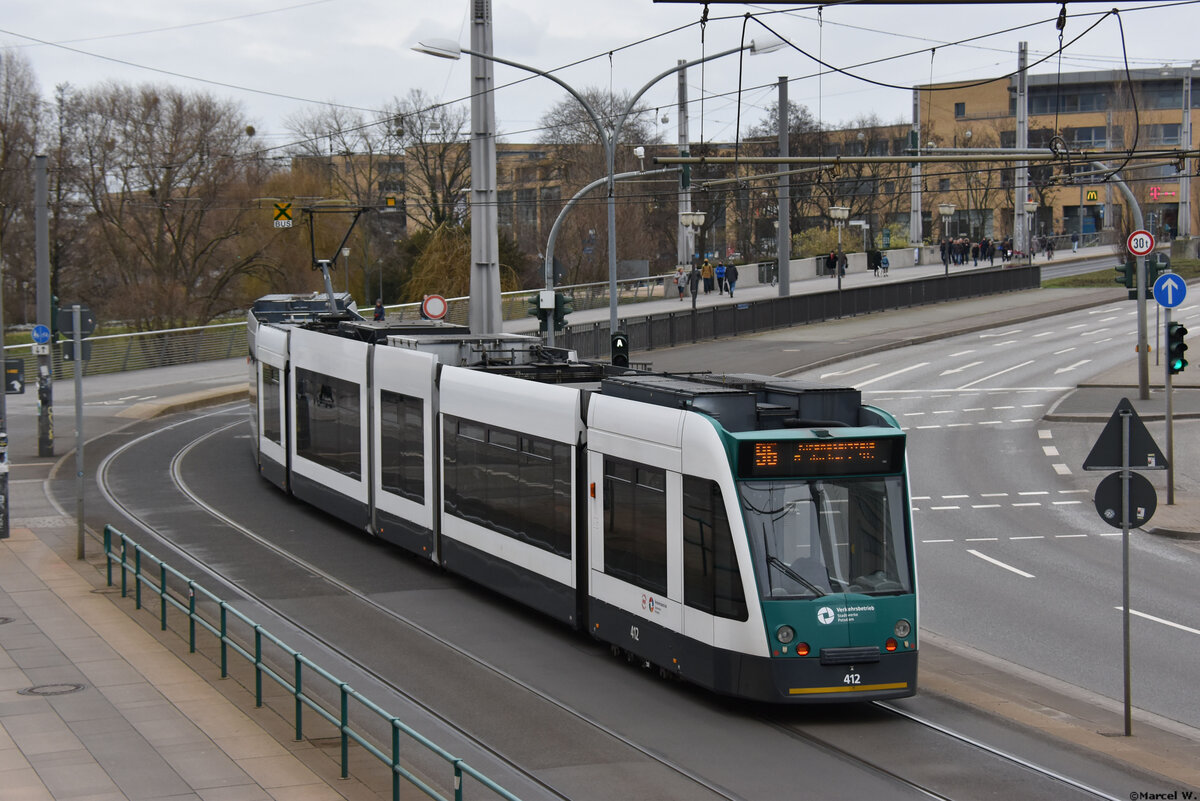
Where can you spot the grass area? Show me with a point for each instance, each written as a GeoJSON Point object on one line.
{"type": "Point", "coordinates": [1187, 269]}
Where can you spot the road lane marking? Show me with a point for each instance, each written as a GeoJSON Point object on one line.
{"type": "Point", "coordinates": [917, 366]}
{"type": "Point", "coordinates": [1029, 537]}
{"type": "Point", "coordinates": [998, 563]}
{"type": "Point", "coordinates": [993, 375]}
{"type": "Point", "coordinates": [1172, 624]}
{"type": "Point", "coordinates": [1061, 469]}
{"type": "Point", "coordinates": [1044, 433]}
{"type": "Point", "coordinates": [1049, 450]}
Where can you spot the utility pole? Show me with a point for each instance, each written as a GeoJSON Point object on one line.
{"type": "Point", "coordinates": [685, 247]}
{"type": "Point", "coordinates": [1183, 223]}
{"type": "Point", "coordinates": [484, 312]}
{"type": "Point", "coordinates": [916, 232]}
{"type": "Point", "coordinates": [1021, 175]}
{"type": "Point", "coordinates": [783, 238]}
{"type": "Point", "coordinates": [45, 372]}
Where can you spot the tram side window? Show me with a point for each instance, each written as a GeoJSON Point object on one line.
{"type": "Point", "coordinates": [327, 422]}
{"type": "Point", "coordinates": [635, 524]}
{"type": "Point", "coordinates": [711, 579]}
{"type": "Point", "coordinates": [272, 398]}
{"type": "Point", "coordinates": [402, 445]}
{"type": "Point", "coordinates": [512, 483]}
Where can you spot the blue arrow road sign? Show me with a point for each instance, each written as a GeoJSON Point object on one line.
{"type": "Point", "coordinates": [41, 334]}
{"type": "Point", "coordinates": [1169, 290]}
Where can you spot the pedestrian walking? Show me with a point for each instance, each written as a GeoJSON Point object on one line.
{"type": "Point", "coordinates": [831, 264]}
{"type": "Point", "coordinates": [1074, 241]}
{"type": "Point", "coordinates": [731, 277]}
{"type": "Point", "coordinates": [706, 272]}
{"type": "Point", "coordinates": [694, 284]}
{"type": "Point", "coordinates": [379, 310]}
{"type": "Point", "coordinates": [719, 270]}
{"type": "Point", "coordinates": [680, 281]}
{"type": "Point", "coordinates": [842, 263]}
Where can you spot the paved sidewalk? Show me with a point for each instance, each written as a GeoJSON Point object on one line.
{"type": "Point", "coordinates": [94, 707]}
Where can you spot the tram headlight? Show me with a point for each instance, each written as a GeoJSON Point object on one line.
{"type": "Point", "coordinates": [903, 627]}
{"type": "Point", "coordinates": [785, 634]}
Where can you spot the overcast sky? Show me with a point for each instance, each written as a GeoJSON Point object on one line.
{"type": "Point", "coordinates": [357, 52]}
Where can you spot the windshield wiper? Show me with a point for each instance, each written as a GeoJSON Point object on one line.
{"type": "Point", "coordinates": [783, 568]}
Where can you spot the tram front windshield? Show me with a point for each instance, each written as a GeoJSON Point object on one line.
{"type": "Point", "coordinates": [811, 538]}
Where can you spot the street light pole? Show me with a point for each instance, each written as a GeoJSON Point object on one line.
{"type": "Point", "coordinates": [444, 48]}
{"type": "Point", "coordinates": [839, 214]}
{"type": "Point", "coordinates": [946, 210]}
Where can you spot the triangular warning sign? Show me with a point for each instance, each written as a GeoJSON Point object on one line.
{"type": "Point", "coordinates": [1143, 452]}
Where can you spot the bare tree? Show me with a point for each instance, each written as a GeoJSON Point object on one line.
{"type": "Point", "coordinates": [437, 164]}
{"type": "Point", "coordinates": [167, 179]}
{"type": "Point", "coordinates": [576, 157]}
{"type": "Point", "coordinates": [20, 123]}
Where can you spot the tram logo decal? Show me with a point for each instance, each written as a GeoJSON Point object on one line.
{"type": "Point", "coordinates": [652, 606]}
{"type": "Point", "coordinates": [859, 613]}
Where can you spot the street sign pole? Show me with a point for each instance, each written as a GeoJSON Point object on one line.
{"type": "Point", "coordinates": [1170, 414]}
{"type": "Point", "coordinates": [3, 420]}
{"type": "Point", "coordinates": [77, 332]}
{"type": "Point", "coordinates": [1125, 473]}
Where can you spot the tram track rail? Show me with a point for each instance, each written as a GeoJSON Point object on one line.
{"type": "Point", "coordinates": [177, 479]}
{"type": "Point", "coordinates": [799, 732]}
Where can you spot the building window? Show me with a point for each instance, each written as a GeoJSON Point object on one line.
{"type": "Point", "coordinates": [527, 207]}
{"type": "Point", "coordinates": [504, 208]}
{"type": "Point", "coordinates": [943, 184]}
{"type": "Point", "coordinates": [1164, 134]}
{"type": "Point", "coordinates": [960, 109]}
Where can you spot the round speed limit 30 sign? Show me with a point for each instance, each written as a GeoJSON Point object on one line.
{"type": "Point", "coordinates": [1140, 243]}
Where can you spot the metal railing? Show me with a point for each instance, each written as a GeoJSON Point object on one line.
{"type": "Point", "coordinates": [118, 352]}
{"type": "Point", "coordinates": [348, 711]}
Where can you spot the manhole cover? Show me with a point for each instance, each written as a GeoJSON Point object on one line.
{"type": "Point", "coordinates": [51, 689]}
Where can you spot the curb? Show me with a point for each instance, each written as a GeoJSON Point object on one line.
{"type": "Point", "coordinates": [181, 403]}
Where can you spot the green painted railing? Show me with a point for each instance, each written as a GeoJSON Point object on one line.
{"type": "Point", "coordinates": [122, 552]}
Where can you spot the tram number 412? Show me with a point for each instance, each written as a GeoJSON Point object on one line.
{"type": "Point", "coordinates": [852, 678]}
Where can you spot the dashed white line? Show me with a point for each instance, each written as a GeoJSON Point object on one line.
{"type": "Point", "coordinates": [1029, 537]}
{"type": "Point", "coordinates": [1050, 450]}
{"type": "Point", "coordinates": [1061, 469]}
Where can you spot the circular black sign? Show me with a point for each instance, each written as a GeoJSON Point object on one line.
{"type": "Point", "coordinates": [1143, 500]}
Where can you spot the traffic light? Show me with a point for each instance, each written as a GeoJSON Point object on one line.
{"type": "Point", "coordinates": [620, 349]}
{"type": "Point", "coordinates": [1176, 347]}
{"type": "Point", "coordinates": [536, 310]}
{"type": "Point", "coordinates": [562, 307]}
{"type": "Point", "coordinates": [1127, 274]}
{"type": "Point", "coordinates": [1156, 265]}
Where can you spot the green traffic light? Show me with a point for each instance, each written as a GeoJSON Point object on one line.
{"type": "Point", "coordinates": [1176, 347]}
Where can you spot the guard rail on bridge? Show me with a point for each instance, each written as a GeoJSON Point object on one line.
{"type": "Point", "coordinates": [119, 352]}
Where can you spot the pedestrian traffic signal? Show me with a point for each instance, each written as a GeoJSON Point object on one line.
{"type": "Point", "coordinates": [562, 307]}
{"type": "Point", "coordinates": [1176, 347]}
{"type": "Point", "coordinates": [536, 310]}
{"type": "Point", "coordinates": [620, 349]}
{"type": "Point", "coordinates": [1127, 274]}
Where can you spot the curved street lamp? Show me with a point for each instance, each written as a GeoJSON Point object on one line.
{"type": "Point", "coordinates": [448, 48]}
{"type": "Point", "coordinates": [839, 215]}
{"type": "Point", "coordinates": [946, 210]}
{"type": "Point", "coordinates": [1030, 210]}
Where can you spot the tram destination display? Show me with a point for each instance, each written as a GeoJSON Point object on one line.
{"type": "Point", "coordinates": [777, 458]}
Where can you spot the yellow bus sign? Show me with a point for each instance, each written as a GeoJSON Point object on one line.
{"type": "Point", "coordinates": [283, 215]}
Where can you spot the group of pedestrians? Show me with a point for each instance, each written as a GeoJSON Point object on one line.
{"type": "Point", "coordinates": [721, 275]}
{"type": "Point", "coordinates": [961, 250]}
